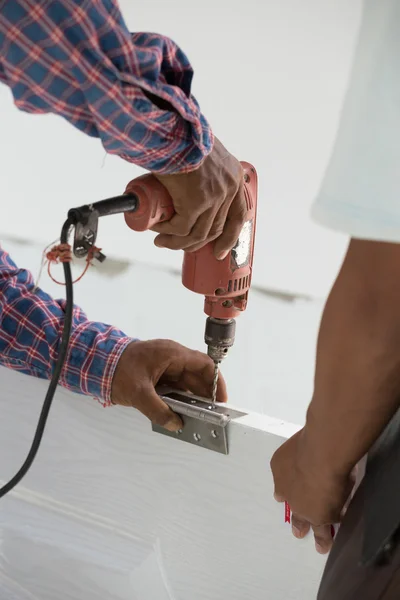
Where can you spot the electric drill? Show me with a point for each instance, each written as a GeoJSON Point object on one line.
{"type": "Point", "coordinates": [224, 283]}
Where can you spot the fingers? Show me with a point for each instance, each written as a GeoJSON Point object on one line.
{"type": "Point", "coordinates": [233, 225]}
{"type": "Point", "coordinates": [216, 229]}
{"type": "Point", "coordinates": [323, 538]}
{"type": "Point", "coordinates": [198, 234]}
{"type": "Point", "coordinates": [225, 227]}
{"type": "Point", "coordinates": [179, 225]}
{"type": "Point", "coordinates": [200, 387]}
{"type": "Point", "coordinates": [300, 527]}
{"type": "Point", "coordinates": [151, 405]}
{"type": "Point", "coordinates": [222, 391]}
{"type": "Point", "coordinates": [197, 198]}
{"type": "Point", "coordinates": [322, 534]}
{"type": "Point", "coordinates": [198, 376]}
{"type": "Point", "coordinates": [162, 361]}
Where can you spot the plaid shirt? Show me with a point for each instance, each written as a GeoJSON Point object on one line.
{"type": "Point", "coordinates": [30, 332]}
{"type": "Point", "coordinates": [77, 59]}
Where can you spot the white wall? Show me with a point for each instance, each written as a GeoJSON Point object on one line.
{"type": "Point", "coordinates": [270, 75]}
{"type": "Point", "coordinates": [112, 510]}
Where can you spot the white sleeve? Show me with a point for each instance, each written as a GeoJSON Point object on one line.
{"type": "Point", "coordinates": [360, 193]}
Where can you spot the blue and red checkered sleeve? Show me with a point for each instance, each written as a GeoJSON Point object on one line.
{"type": "Point", "coordinates": [31, 323]}
{"type": "Point", "coordinates": [77, 59]}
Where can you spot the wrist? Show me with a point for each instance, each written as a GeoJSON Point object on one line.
{"type": "Point", "coordinates": [322, 442]}
{"type": "Point", "coordinates": [191, 171]}
{"type": "Point", "coordinates": [312, 488]}
{"type": "Point", "coordinates": [131, 358]}
{"type": "Point", "coordinates": [93, 355]}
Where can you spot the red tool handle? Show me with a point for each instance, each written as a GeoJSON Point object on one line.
{"type": "Point", "coordinates": [154, 203]}
{"type": "Point", "coordinates": [225, 284]}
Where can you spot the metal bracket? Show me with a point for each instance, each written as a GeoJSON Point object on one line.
{"type": "Point", "coordinates": [204, 425]}
{"type": "Point", "coordinates": [85, 236]}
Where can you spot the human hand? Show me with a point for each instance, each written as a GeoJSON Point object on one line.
{"type": "Point", "coordinates": [316, 497]}
{"type": "Point", "coordinates": [209, 204]}
{"type": "Point", "coordinates": [143, 365]}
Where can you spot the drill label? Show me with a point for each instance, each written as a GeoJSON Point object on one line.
{"type": "Point", "coordinates": [241, 250]}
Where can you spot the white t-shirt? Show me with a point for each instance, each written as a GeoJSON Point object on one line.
{"type": "Point", "coordinates": [360, 194]}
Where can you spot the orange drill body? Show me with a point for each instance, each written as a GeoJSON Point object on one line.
{"type": "Point", "coordinates": [224, 283]}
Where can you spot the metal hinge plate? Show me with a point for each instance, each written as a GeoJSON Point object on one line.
{"type": "Point", "coordinates": [204, 425]}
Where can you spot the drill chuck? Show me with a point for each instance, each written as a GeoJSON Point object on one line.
{"type": "Point", "coordinates": [219, 337]}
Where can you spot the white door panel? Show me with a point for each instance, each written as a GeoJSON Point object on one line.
{"type": "Point", "coordinates": [112, 510]}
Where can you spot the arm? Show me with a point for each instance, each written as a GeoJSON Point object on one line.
{"type": "Point", "coordinates": [101, 361]}
{"type": "Point", "coordinates": [357, 379]}
{"type": "Point", "coordinates": [356, 390]}
{"type": "Point", "coordinates": [78, 60]}
{"type": "Point", "coordinates": [30, 330]}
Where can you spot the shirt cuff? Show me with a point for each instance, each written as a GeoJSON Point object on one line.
{"type": "Point", "coordinates": [184, 145]}
{"type": "Point", "coordinates": [93, 354]}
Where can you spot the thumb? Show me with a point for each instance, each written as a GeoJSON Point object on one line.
{"type": "Point", "coordinates": [178, 225]}
{"type": "Point", "coordinates": [233, 226]}
{"type": "Point", "coordinates": [151, 406]}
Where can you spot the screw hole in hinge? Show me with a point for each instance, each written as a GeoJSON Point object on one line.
{"type": "Point", "coordinates": [197, 437]}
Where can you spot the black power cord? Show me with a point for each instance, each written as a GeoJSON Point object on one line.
{"type": "Point", "coordinates": [84, 219]}
{"type": "Point", "coordinates": [62, 353]}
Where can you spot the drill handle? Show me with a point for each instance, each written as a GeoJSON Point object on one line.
{"type": "Point", "coordinates": [224, 283]}
{"type": "Point", "coordinates": [154, 204]}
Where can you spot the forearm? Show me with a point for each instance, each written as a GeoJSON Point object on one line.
{"type": "Point", "coordinates": [357, 379]}
{"type": "Point", "coordinates": [133, 91]}
{"type": "Point", "coordinates": [31, 323]}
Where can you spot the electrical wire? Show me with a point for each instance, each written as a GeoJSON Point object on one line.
{"type": "Point", "coordinates": [62, 353]}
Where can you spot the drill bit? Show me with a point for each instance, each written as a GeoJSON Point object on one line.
{"type": "Point", "coordinates": [219, 336]}
{"type": "Point", "coordinates": [215, 382]}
